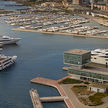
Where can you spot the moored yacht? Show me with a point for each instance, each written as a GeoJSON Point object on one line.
{"type": "Point", "coordinates": [8, 40]}
{"type": "Point", "coordinates": [100, 56]}
{"type": "Point", "coordinates": [6, 61]}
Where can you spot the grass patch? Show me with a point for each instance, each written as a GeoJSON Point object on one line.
{"type": "Point", "coordinates": [70, 81]}
{"type": "Point", "coordinates": [88, 97]}
{"type": "Point", "coordinates": [86, 82]}
{"type": "Point", "coordinates": [81, 90]}
{"type": "Point", "coordinates": [80, 86]}
{"type": "Point", "coordinates": [96, 99]}
{"type": "Point", "coordinates": [82, 93]}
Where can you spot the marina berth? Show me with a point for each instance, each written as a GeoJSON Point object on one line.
{"type": "Point", "coordinates": [6, 61]}
{"type": "Point", "coordinates": [56, 24]}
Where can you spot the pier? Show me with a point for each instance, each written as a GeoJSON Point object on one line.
{"type": "Point", "coordinates": [52, 99]}
{"type": "Point", "coordinates": [54, 83]}
{"type": "Point", "coordinates": [35, 99]}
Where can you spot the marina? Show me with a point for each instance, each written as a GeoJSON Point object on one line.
{"type": "Point", "coordinates": [58, 33]}
{"type": "Point", "coordinates": [44, 61]}
{"type": "Point", "coordinates": [56, 24]}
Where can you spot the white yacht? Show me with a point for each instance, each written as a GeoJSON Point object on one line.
{"type": "Point", "coordinates": [8, 40]}
{"type": "Point", "coordinates": [100, 56]}
{"type": "Point", "coordinates": [6, 61]}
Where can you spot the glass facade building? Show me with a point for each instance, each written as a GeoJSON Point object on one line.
{"type": "Point", "coordinates": [87, 74]}
{"type": "Point", "coordinates": [77, 57]}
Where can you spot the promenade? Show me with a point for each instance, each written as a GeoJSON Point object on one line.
{"type": "Point", "coordinates": [54, 83]}
{"type": "Point", "coordinates": [69, 97]}
{"type": "Point", "coordinates": [74, 99]}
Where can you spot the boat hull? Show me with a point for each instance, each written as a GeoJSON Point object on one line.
{"type": "Point", "coordinates": [13, 41]}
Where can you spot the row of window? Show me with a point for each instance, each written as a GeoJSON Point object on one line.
{"type": "Point", "coordinates": [88, 74]}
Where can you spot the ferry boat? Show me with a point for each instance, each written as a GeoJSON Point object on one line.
{"type": "Point", "coordinates": [6, 61]}
{"type": "Point", "coordinates": [8, 40]}
{"type": "Point", "coordinates": [100, 56]}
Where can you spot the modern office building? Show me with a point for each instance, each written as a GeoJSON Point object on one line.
{"type": "Point", "coordinates": [77, 57]}
{"type": "Point", "coordinates": [89, 74]}
{"type": "Point", "coordinates": [81, 58]}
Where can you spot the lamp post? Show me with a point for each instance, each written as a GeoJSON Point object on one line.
{"type": "Point", "coordinates": [92, 2]}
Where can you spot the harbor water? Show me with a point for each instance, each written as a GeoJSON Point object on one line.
{"type": "Point", "coordinates": [39, 55]}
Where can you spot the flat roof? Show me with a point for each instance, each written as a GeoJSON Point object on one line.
{"type": "Point", "coordinates": [77, 51]}
{"type": "Point", "coordinates": [103, 86]}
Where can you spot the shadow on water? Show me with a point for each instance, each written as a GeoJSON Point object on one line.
{"type": "Point", "coordinates": [15, 45]}
{"type": "Point", "coordinates": [54, 105]}
{"type": "Point", "coordinates": [9, 69]}
{"type": "Point", "coordinates": [48, 90]}
{"type": "Point", "coordinates": [9, 48]}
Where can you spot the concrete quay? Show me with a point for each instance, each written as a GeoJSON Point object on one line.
{"type": "Point", "coordinates": [54, 83]}
{"type": "Point", "coordinates": [35, 99]}
{"type": "Point", "coordinates": [52, 99]}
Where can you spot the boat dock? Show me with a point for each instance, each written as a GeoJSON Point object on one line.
{"type": "Point", "coordinates": [54, 83]}
{"type": "Point", "coordinates": [35, 99]}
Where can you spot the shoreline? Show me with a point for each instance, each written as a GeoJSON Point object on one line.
{"type": "Point", "coordinates": [60, 33]}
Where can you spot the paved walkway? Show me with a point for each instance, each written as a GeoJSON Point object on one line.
{"type": "Point", "coordinates": [65, 90]}
{"type": "Point", "coordinates": [74, 99]}
{"type": "Point", "coordinates": [70, 76]}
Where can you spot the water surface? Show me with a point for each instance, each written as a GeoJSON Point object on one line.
{"type": "Point", "coordinates": [38, 55]}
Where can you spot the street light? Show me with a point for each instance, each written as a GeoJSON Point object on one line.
{"type": "Point", "coordinates": [92, 2]}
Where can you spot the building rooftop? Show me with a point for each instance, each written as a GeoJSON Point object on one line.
{"type": "Point", "coordinates": [98, 85]}
{"type": "Point", "coordinates": [77, 51]}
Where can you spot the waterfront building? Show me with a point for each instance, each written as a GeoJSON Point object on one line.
{"type": "Point", "coordinates": [80, 69]}
{"type": "Point", "coordinates": [77, 57]}
{"type": "Point", "coordinates": [101, 88]}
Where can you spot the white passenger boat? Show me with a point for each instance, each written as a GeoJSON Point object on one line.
{"type": "Point", "coordinates": [8, 40]}
{"type": "Point", "coordinates": [6, 61]}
